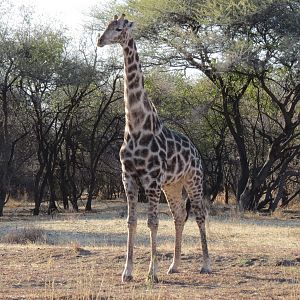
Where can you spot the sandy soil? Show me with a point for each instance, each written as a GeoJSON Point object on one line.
{"type": "Point", "coordinates": [82, 257]}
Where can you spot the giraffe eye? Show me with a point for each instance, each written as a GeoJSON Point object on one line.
{"type": "Point", "coordinates": [119, 29]}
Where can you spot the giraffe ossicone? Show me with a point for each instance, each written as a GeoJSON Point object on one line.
{"type": "Point", "coordinates": [154, 157]}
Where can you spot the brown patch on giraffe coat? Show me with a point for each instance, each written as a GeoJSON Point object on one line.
{"type": "Point", "coordinates": [145, 139]}
{"type": "Point", "coordinates": [130, 77]}
{"type": "Point", "coordinates": [130, 145]}
{"type": "Point", "coordinates": [185, 154]}
{"type": "Point", "coordinates": [162, 154]}
{"type": "Point", "coordinates": [136, 136]}
{"type": "Point", "coordinates": [130, 59]}
{"type": "Point", "coordinates": [154, 146]}
{"type": "Point", "coordinates": [130, 43]}
{"type": "Point", "coordinates": [138, 115]}
{"type": "Point", "coordinates": [139, 162]}
{"type": "Point", "coordinates": [171, 148]}
{"type": "Point", "coordinates": [135, 83]}
{"type": "Point", "coordinates": [144, 152]}
{"type": "Point", "coordinates": [132, 68]}
{"type": "Point", "coordinates": [179, 163]}
{"type": "Point", "coordinates": [153, 162]}
{"type": "Point", "coordinates": [128, 164]}
{"type": "Point", "coordinates": [147, 124]}
{"type": "Point", "coordinates": [161, 141]}
{"type": "Point", "coordinates": [132, 99]}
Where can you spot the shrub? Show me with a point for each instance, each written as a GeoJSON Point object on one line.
{"type": "Point", "coordinates": [24, 236]}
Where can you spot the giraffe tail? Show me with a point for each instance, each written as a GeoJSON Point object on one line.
{"type": "Point", "coordinates": [188, 208]}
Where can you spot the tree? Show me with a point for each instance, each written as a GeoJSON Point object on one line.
{"type": "Point", "coordinates": [236, 45]}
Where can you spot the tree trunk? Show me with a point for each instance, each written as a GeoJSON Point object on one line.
{"type": "Point", "coordinates": [52, 205]}
{"type": "Point", "coordinates": [2, 200]}
{"type": "Point", "coordinates": [91, 190]}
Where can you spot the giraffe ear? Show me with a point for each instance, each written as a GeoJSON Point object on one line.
{"type": "Point", "coordinates": [130, 25]}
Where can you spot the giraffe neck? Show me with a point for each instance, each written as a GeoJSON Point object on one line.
{"type": "Point", "coordinates": [140, 112]}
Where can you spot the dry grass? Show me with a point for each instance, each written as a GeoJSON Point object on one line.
{"type": "Point", "coordinates": [24, 236]}
{"type": "Point", "coordinates": [82, 257]}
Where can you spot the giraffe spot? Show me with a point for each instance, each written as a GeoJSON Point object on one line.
{"type": "Point", "coordinates": [154, 146]}
{"type": "Point", "coordinates": [180, 163]}
{"type": "Point", "coordinates": [141, 172]}
{"type": "Point", "coordinates": [147, 124]}
{"type": "Point", "coordinates": [185, 155]}
{"type": "Point", "coordinates": [167, 132]}
{"type": "Point", "coordinates": [153, 185]}
{"type": "Point", "coordinates": [130, 43]}
{"type": "Point", "coordinates": [162, 154]}
{"type": "Point", "coordinates": [138, 94]}
{"type": "Point", "coordinates": [132, 68]}
{"type": "Point", "coordinates": [154, 173]}
{"type": "Point", "coordinates": [130, 144]}
{"type": "Point", "coordinates": [169, 177]}
{"type": "Point", "coordinates": [128, 164]}
{"type": "Point", "coordinates": [136, 136]}
{"type": "Point", "coordinates": [185, 143]}
{"type": "Point", "coordinates": [139, 162]}
{"type": "Point", "coordinates": [177, 137]}
{"type": "Point", "coordinates": [153, 162]}
{"type": "Point", "coordinates": [144, 152]}
{"type": "Point", "coordinates": [126, 50]}
{"type": "Point", "coordinates": [128, 154]}
{"type": "Point", "coordinates": [178, 147]}
{"type": "Point", "coordinates": [137, 57]}
{"type": "Point", "coordinates": [170, 145]}
{"type": "Point", "coordinates": [145, 139]}
{"type": "Point", "coordinates": [161, 143]}
{"type": "Point", "coordinates": [130, 77]}
{"type": "Point", "coordinates": [171, 165]}
{"type": "Point", "coordinates": [132, 99]}
{"type": "Point", "coordinates": [130, 59]}
{"type": "Point", "coordinates": [134, 84]}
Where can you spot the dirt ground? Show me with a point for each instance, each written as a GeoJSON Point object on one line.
{"type": "Point", "coordinates": [81, 256]}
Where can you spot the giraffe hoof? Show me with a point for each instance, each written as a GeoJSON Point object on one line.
{"type": "Point", "coordinates": [127, 278]}
{"type": "Point", "coordinates": [152, 278]}
{"type": "Point", "coordinates": [205, 271]}
{"type": "Point", "coordinates": [172, 271]}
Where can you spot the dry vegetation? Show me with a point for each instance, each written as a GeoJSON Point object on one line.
{"type": "Point", "coordinates": [81, 256]}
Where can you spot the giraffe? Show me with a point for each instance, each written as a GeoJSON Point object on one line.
{"type": "Point", "coordinates": [154, 157]}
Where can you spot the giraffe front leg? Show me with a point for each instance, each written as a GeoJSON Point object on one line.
{"type": "Point", "coordinates": [177, 249]}
{"type": "Point", "coordinates": [153, 198]}
{"type": "Point", "coordinates": [132, 197]}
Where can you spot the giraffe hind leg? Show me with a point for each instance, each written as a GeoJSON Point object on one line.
{"type": "Point", "coordinates": [178, 208]}
{"type": "Point", "coordinates": [153, 196]}
{"type": "Point", "coordinates": [195, 192]}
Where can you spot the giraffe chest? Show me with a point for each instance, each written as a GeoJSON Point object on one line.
{"type": "Point", "coordinates": [143, 155]}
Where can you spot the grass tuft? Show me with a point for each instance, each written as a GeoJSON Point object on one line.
{"type": "Point", "coordinates": [24, 236]}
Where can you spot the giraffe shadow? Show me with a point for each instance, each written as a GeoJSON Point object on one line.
{"type": "Point", "coordinates": [187, 284]}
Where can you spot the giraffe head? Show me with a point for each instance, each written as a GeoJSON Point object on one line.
{"type": "Point", "coordinates": [116, 32]}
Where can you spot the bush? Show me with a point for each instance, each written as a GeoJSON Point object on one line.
{"type": "Point", "coordinates": [24, 236]}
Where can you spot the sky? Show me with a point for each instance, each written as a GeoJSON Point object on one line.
{"type": "Point", "coordinates": [70, 13]}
